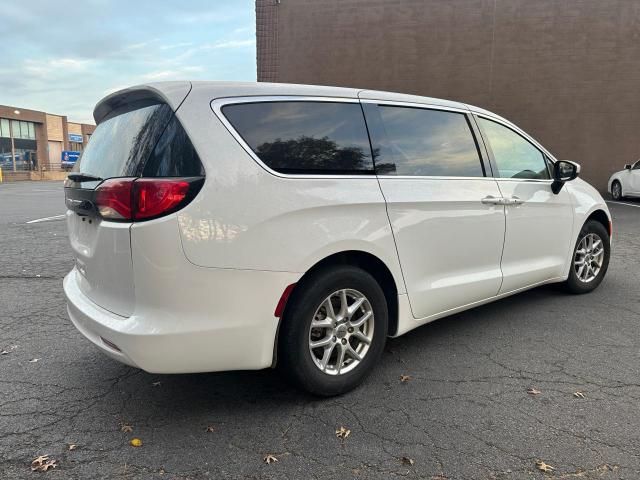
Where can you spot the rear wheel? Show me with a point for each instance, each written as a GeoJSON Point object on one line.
{"type": "Point", "coordinates": [333, 331]}
{"type": "Point", "coordinates": [616, 190]}
{"type": "Point", "coordinates": [590, 258]}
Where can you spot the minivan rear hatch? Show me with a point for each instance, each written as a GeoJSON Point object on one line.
{"type": "Point", "coordinates": [138, 165]}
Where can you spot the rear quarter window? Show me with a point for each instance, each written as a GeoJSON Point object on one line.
{"type": "Point", "coordinates": [305, 137]}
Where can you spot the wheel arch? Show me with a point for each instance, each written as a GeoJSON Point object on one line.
{"type": "Point", "coordinates": [601, 217]}
{"type": "Point", "coordinates": [369, 263]}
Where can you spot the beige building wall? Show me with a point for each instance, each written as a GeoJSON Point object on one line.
{"type": "Point", "coordinates": [55, 129]}
{"type": "Point", "coordinates": [75, 128]}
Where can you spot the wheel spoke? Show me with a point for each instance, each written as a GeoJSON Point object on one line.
{"type": "Point", "coordinates": [340, 360]}
{"type": "Point", "coordinates": [326, 355]}
{"type": "Point", "coordinates": [328, 306]}
{"type": "Point", "coordinates": [361, 320]}
{"type": "Point", "coordinates": [353, 353]}
{"type": "Point", "coordinates": [362, 337]}
{"type": "Point", "coordinates": [353, 308]}
{"type": "Point", "coordinates": [343, 303]}
{"type": "Point", "coordinates": [321, 343]}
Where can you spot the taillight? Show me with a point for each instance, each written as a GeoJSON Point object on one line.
{"type": "Point", "coordinates": [155, 197]}
{"type": "Point", "coordinates": [132, 199]}
{"type": "Point", "coordinates": [113, 198]}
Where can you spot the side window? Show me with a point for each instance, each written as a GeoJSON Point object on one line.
{"type": "Point", "coordinates": [424, 142]}
{"type": "Point", "coordinates": [637, 165]}
{"type": "Point", "coordinates": [515, 156]}
{"type": "Point", "coordinates": [305, 137]}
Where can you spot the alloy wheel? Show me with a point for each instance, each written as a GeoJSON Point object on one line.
{"type": "Point", "coordinates": [341, 332]}
{"type": "Point", "coordinates": [616, 191]}
{"type": "Point", "coordinates": [589, 257]}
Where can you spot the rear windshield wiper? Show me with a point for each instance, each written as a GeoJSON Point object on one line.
{"type": "Point", "coordinates": [83, 177]}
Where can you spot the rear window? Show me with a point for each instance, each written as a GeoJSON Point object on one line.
{"type": "Point", "coordinates": [305, 137]}
{"type": "Point", "coordinates": [148, 142]}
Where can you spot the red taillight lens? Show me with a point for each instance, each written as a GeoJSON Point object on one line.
{"type": "Point", "coordinates": [130, 199]}
{"type": "Point", "coordinates": [154, 197]}
{"type": "Point", "coordinates": [113, 199]}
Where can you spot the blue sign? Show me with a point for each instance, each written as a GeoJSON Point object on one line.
{"type": "Point", "coordinates": [74, 137]}
{"type": "Point", "coordinates": [69, 158]}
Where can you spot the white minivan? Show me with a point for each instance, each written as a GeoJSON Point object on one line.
{"type": "Point", "coordinates": [226, 226]}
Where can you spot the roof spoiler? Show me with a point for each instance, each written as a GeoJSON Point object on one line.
{"type": "Point", "coordinates": [171, 93]}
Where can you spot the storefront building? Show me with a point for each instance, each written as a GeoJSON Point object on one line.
{"type": "Point", "coordinates": [35, 141]}
{"type": "Point", "coordinates": [567, 72]}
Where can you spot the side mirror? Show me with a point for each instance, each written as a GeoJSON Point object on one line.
{"type": "Point", "coordinates": [627, 167]}
{"type": "Point", "coordinates": [563, 171]}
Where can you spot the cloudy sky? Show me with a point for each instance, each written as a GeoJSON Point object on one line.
{"type": "Point", "coordinates": [62, 57]}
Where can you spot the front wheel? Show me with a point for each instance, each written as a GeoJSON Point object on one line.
{"type": "Point", "coordinates": [333, 331]}
{"type": "Point", "coordinates": [616, 190]}
{"type": "Point", "coordinates": [590, 258]}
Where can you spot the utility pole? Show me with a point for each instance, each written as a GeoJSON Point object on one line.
{"type": "Point", "coordinates": [13, 148]}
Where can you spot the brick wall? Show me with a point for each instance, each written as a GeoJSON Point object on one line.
{"type": "Point", "coordinates": [566, 71]}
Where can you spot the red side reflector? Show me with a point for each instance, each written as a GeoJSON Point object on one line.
{"type": "Point", "coordinates": [154, 197]}
{"type": "Point", "coordinates": [283, 300]}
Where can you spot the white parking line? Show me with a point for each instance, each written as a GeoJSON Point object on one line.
{"type": "Point", "coordinates": [624, 203]}
{"type": "Point", "coordinates": [47, 219]}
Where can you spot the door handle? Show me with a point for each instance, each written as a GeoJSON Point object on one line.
{"type": "Point", "coordinates": [491, 200]}
{"type": "Point", "coordinates": [514, 201]}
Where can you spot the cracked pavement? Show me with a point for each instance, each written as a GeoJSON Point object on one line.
{"type": "Point", "coordinates": [464, 414]}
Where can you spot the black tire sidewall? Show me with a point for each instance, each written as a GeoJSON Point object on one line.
{"type": "Point", "coordinates": [574, 284]}
{"type": "Point", "coordinates": [293, 349]}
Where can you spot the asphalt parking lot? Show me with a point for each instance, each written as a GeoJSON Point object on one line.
{"type": "Point", "coordinates": [464, 413]}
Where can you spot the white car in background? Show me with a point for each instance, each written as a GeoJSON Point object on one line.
{"type": "Point", "coordinates": [625, 183]}
{"type": "Point", "coordinates": [228, 226]}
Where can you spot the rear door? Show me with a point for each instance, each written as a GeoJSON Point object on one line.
{"type": "Point", "coordinates": [444, 209]}
{"type": "Point", "coordinates": [539, 223]}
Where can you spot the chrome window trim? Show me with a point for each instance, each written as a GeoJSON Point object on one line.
{"type": "Point", "coordinates": [427, 106]}
{"type": "Point", "coordinates": [218, 103]}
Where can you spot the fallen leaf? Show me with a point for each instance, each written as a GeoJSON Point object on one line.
{"type": "Point", "coordinates": [405, 378]}
{"type": "Point", "coordinates": [210, 429]}
{"type": "Point", "coordinates": [39, 460]}
{"type": "Point", "coordinates": [43, 463]}
{"type": "Point", "coordinates": [269, 458]}
{"type": "Point", "coordinates": [34, 360]}
{"type": "Point", "coordinates": [156, 384]}
{"type": "Point", "coordinates": [533, 391]}
{"type": "Point", "coordinates": [135, 442]}
{"type": "Point", "coordinates": [126, 428]}
{"type": "Point", "coordinates": [407, 461]}
{"type": "Point", "coordinates": [72, 446]}
{"type": "Point", "coordinates": [4, 352]}
{"type": "Point", "coordinates": [343, 432]}
{"type": "Point", "coordinates": [578, 394]}
{"type": "Point", "coordinates": [543, 467]}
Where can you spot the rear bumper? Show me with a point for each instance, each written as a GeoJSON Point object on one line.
{"type": "Point", "coordinates": [222, 331]}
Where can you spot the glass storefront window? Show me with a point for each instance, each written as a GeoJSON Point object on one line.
{"type": "Point", "coordinates": [32, 131]}
{"type": "Point", "coordinates": [4, 128]}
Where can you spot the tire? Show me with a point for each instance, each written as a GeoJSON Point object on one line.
{"type": "Point", "coordinates": [616, 190]}
{"type": "Point", "coordinates": [302, 364]}
{"type": "Point", "coordinates": [580, 281]}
